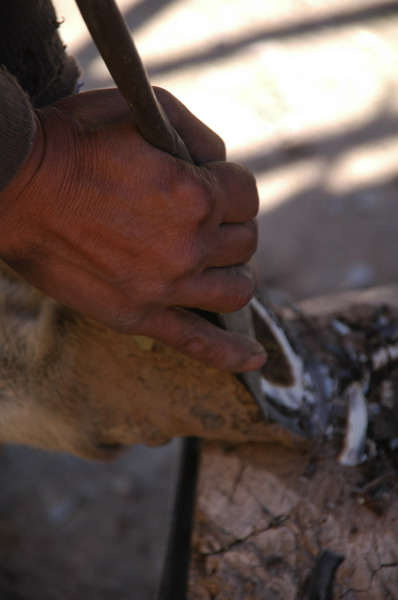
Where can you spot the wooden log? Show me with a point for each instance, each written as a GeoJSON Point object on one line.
{"type": "Point", "coordinates": [280, 522]}
{"type": "Point", "coordinates": [265, 514]}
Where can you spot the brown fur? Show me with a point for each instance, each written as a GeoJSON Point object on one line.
{"type": "Point", "coordinates": [68, 383]}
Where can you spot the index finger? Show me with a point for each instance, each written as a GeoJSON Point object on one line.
{"type": "Point", "coordinates": [199, 339]}
{"type": "Point", "coordinates": [234, 189]}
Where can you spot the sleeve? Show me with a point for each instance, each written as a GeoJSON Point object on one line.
{"type": "Point", "coordinates": [35, 70]}
{"type": "Point", "coordinates": [16, 126]}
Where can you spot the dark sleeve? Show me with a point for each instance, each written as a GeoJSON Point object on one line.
{"type": "Point", "coordinates": [16, 126]}
{"type": "Point", "coordinates": [32, 51]}
{"type": "Point", "coordinates": [34, 71]}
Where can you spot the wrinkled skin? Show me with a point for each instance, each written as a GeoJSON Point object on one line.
{"type": "Point", "coordinates": [128, 235]}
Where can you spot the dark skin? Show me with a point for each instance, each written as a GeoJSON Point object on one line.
{"type": "Point", "coordinates": [126, 234]}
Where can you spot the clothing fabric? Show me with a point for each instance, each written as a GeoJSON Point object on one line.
{"type": "Point", "coordinates": [35, 70]}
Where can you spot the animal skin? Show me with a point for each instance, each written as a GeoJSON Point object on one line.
{"type": "Point", "coordinates": [70, 384]}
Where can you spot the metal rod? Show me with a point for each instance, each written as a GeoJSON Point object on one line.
{"type": "Point", "coordinates": [115, 44]}
{"type": "Point", "coordinates": [173, 585]}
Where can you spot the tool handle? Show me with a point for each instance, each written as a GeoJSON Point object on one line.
{"type": "Point", "coordinates": [116, 46]}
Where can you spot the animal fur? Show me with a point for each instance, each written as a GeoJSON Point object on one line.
{"type": "Point", "coordinates": [67, 383]}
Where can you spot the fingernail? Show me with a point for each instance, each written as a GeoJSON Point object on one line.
{"type": "Point", "coordinates": [256, 361]}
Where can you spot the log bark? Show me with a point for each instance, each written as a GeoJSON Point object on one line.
{"type": "Point", "coordinates": [289, 522]}
{"type": "Point", "coordinates": [266, 513]}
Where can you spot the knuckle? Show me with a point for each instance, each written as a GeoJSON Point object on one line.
{"type": "Point", "coordinates": [242, 294]}
{"type": "Point", "coordinates": [219, 146]}
{"type": "Point", "coordinates": [124, 320]}
{"type": "Point", "coordinates": [251, 235]}
{"type": "Point", "coordinates": [230, 288]}
{"type": "Point", "coordinates": [196, 343]}
{"type": "Point", "coordinates": [189, 339]}
{"type": "Point", "coordinates": [185, 261]}
{"type": "Point", "coordinates": [194, 197]}
{"type": "Point", "coordinates": [248, 175]}
{"type": "Point", "coordinates": [124, 314]}
{"type": "Point", "coordinates": [253, 226]}
{"type": "Point", "coordinates": [251, 190]}
{"type": "Point", "coordinates": [190, 259]}
{"type": "Point", "coordinates": [199, 345]}
{"type": "Point", "coordinates": [239, 301]}
{"type": "Point", "coordinates": [211, 352]}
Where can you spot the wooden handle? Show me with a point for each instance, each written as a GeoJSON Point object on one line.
{"type": "Point", "coordinates": [116, 46]}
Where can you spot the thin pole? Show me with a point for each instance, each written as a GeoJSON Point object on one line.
{"type": "Point", "coordinates": [116, 46]}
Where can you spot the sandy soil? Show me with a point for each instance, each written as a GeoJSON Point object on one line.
{"type": "Point", "coordinates": [305, 93]}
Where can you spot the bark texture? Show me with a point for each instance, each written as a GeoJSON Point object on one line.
{"type": "Point", "coordinates": [266, 513]}
{"type": "Point", "coordinates": [289, 522]}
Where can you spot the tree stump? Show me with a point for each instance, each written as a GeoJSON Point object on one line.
{"type": "Point", "coordinates": [266, 513]}
{"type": "Point", "coordinates": [287, 521]}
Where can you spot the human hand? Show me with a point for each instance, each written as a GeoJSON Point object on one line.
{"type": "Point", "coordinates": [126, 234]}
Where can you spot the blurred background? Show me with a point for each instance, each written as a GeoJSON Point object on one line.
{"type": "Point", "coordinates": [305, 93]}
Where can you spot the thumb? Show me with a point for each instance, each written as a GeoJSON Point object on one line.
{"type": "Point", "coordinates": [201, 340]}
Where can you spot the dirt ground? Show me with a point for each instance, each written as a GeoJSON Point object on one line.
{"type": "Point", "coordinates": [305, 93]}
